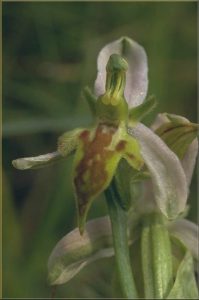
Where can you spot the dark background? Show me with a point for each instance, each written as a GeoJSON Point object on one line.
{"type": "Point", "coordinates": [49, 54]}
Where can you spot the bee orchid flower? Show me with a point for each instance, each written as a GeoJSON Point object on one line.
{"type": "Point", "coordinates": [118, 105]}
{"type": "Point", "coordinates": [114, 155]}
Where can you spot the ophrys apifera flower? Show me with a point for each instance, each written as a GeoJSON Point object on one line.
{"type": "Point", "coordinates": [111, 156]}
{"type": "Point", "coordinates": [117, 103]}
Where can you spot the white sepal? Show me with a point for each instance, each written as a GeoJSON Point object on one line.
{"type": "Point", "coordinates": [137, 74]}
{"type": "Point", "coordinates": [168, 177]}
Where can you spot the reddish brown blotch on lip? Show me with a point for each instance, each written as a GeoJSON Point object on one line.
{"type": "Point", "coordinates": [121, 146]}
{"type": "Point", "coordinates": [90, 172]}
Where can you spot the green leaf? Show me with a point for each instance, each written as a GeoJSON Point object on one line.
{"type": "Point", "coordinates": [185, 286]}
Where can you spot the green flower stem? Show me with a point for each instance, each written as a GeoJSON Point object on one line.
{"type": "Point", "coordinates": [156, 257]}
{"type": "Point", "coordinates": [119, 228]}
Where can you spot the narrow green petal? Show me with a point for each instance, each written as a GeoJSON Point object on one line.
{"type": "Point", "coordinates": [74, 251]}
{"type": "Point", "coordinates": [137, 113]}
{"type": "Point", "coordinates": [91, 99]}
{"type": "Point", "coordinates": [36, 162]}
{"type": "Point", "coordinates": [185, 286]}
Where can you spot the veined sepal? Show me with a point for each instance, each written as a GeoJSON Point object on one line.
{"type": "Point", "coordinates": [178, 134]}
{"type": "Point", "coordinates": [184, 144]}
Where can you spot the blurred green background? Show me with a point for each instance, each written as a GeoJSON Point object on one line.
{"type": "Point", "coordinates": [49, 54]}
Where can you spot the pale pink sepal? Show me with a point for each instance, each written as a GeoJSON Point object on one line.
{"type": "Point", "coordinates": [168, 177]}
{"type": "Point", "coordinates": [137, 74]}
